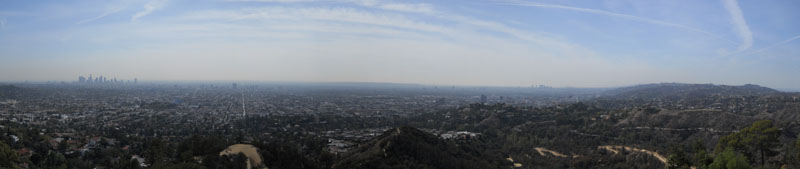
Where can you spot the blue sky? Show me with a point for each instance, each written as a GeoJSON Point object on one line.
{"type": "Point", "coordinates": [492, 42]}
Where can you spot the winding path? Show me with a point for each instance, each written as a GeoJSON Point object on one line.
{"type": "Point", "coordinates": [615, 150]}
{"type": "Point", "coordinates": [542, 152]}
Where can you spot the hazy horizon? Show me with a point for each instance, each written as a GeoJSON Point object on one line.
{"type": "Point", "coordinates": [473, 43]}
{"type": "Point", "coordinates": [355, 83]}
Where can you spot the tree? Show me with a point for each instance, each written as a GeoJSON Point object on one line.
{"type": "Point", "coordinates": [234, 161]}
{"type": "Point", "coordinates": [797, 146]}
{"type": "Point", "coordinates": [761, 137]}
{"type": "Point", "coordinates": [677, 158]}
{"type": "Point", "coordinates": [8, 157]}
{"type": "Point", "coordinates": [701, 159]}
{"type": "Point", "coordinates": [165, 165]}
{"type": "Point", "coordinates": [156, 152]}
{"type": "Point", "coordinates": [764, 137]}
{"type": "Point", "coordinates": [55, 160]}
{"type": "Point", "coordinates": [729, 159]}
{"type": "Point", "coordinates": [63, 146]}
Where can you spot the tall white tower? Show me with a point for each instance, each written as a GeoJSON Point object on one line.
{"type": "Point", "coordinates": [244, 111]}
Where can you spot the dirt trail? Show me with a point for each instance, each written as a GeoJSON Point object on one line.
{"type": "Point", "coordinates": [542, 152]}
{"type": "Point", "coordinates": [612, 148]}
{"type": "Point", "coordinates": [682, 129]}
{"type": "Point", "coordinates": [615, 150]}
{"type": "Point", "coordinates": [516, 165]}
{"type": "Point", "coordinates": [250, 151]}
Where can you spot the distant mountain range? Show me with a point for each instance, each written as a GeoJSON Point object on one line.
{"type": "Point", "coordinates": [681, 90]}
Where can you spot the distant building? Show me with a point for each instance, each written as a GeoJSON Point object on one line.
{"type": "Point", "coordinates": [102, 79]}
{"type": "Point", "coordinates": [484, 99]}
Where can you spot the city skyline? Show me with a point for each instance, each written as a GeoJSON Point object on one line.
{"type": "Point", "coordinates": [102, 79]}
{"type": "Point", "coordinates": [114, 80]}
{"type": "Point", "coordinates": [474, 43]}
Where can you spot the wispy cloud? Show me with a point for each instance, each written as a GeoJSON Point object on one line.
{"type": "Point", "coordinates": [3, 23]}
{"type": "Point", "coordinates": [608, 13]}
{"type": "Point", "coordinates": [149, 7]}
{"type": "Point", "coordinates": [739, 24]}
{"type": "Point", "coordinates": [351, 15]}
{"type": "Point", "coordinates": [283, 1]}
{"type": "Point", "coordinates": [104, 14]}
{"type": "Point", "coordinates": [413, 8]}
{"type": "Point", "coordinates": [388, 24]}
{"type": "Point", "coordinates": [528, 36]}
{"type": "Point", "coordinates": [347, 15]}
{"type": "Point", "coordinates": [422, 8]}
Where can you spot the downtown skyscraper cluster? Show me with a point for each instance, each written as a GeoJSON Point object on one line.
{"type": "Point", "coordinates": [102, 80]}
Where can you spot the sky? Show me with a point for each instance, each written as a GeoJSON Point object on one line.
{"type": "Point", "coordinates": [603, 43]}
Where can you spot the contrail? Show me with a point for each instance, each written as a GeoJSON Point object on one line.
{"type": "Point", "coordinates": [109, 12]}
{"type": "Point", "coordinates": [772, 46]}
{"type": "Point", "coordinates": [608, 13]}
{"type": "Point", "coordinates": [739, 23]}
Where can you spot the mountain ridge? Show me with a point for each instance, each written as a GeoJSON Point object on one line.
{"type": "Point", "coordinates": [686, 90]}
{"type": "Point", "coordinates": [408, 147]}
